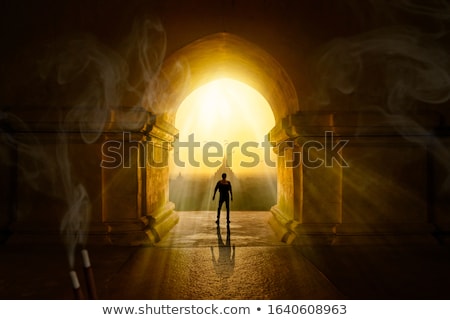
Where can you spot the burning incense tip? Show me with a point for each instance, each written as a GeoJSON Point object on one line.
{"type": "Point", "coordinates": [76, 285]}
{"type": "Point", "coordinates": [86, 260]}
{"type": "Point", "coordinates": [89, 274]}
{"type": "Point", "coordinates": [74, 278]}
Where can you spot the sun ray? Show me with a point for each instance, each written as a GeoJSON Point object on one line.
{"type": "Point", "coordinates": [226, 115]}
{"type": "Point", "coordinates": [222, 112]}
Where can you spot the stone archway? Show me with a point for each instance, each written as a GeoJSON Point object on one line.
{"type": "Point", "coordinates": [130, 200]}
{"type": "Point", "coordinates": [226, 55]}
{"type": "Point", "coordinates": [311, 202]}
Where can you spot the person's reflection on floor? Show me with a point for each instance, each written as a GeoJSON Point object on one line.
{"type": "Point", "coordinates": [224, 264]}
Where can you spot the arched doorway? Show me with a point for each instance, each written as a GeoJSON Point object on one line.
{"type": "Point", "coordinates": [225, 55]}
{"type": "Point", "coordinates": [223, 127]}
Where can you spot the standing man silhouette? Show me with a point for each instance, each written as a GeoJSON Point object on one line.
{"type": "Point", "coordinates": [224, 187]}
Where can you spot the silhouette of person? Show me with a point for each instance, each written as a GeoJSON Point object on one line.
{"type": "Point", "coordinates": [224, 263]}
{"type": "Point", "coordinates": [225, 191]}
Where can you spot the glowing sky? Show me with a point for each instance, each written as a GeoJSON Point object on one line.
{"type": "Point", "coordinates": [225, 112]}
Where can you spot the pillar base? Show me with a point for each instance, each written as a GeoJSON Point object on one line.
{"type": "Point", "coordinates": [283, 227]}
{"type": "Point", "coordinates": [294, 233]}
{"type": "Point", "coordinates": [160, 222]}
{"type": "Point", "coordinates": [149, 230]}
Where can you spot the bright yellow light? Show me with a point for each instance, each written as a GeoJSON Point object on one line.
{"type": "Point", "coordinates": [223, 111]}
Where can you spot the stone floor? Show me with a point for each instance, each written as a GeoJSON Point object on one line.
{"type": "Point", "coordinates": [198, 260]}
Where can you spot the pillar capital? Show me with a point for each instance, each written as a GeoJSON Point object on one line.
{"type": "Point", "coordinates": [161, 131]}
{"type": "Point", "coordinates": [304, 124]}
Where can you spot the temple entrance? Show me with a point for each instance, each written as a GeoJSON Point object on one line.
{"type": "Point", "coordinates": [225, 96]}
{"type": "Point", "coordinates": [223, 128]}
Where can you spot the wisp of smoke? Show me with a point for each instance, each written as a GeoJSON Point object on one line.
{"type": "Point", "coordinates": [94, 88]}
{"type": "Point", "coordinates": [395, 71]}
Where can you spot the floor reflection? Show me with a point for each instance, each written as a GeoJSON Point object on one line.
{"type": "Point", "coordinates": [225, 261]}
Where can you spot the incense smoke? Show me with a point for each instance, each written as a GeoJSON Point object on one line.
{"type": "Point", "coordinates": [400, 72]}
{"type": "Point", "coordinates": [87, 88]}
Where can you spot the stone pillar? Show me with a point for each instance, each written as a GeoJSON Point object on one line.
{"type": "Point", "coordinates": [44, 184]}
{"type": "Point", "coordinates": [122, 187]}
{"type": "Point", "coordinates": [388, 189]}
{"type": "Point", "coordinates": [362, 179]}
{"type": "Point", "coordinates": [160, 216]}
{"type": "Point", "coordinates": [285, 214]}
{"type": "Point", "coordinates": [135, 197]}
{"type": "Point", "coordinates": [110, 184]}
{"type": "Point", "coordinates": [321, 186]}
{"type": "Point", "coordinates": [309, 181]}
